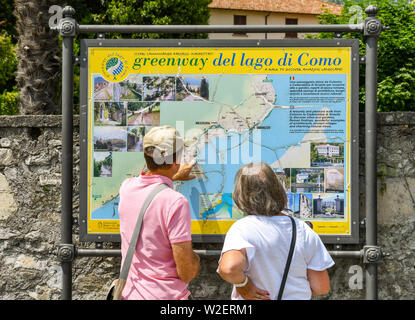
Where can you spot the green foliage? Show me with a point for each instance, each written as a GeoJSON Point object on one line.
{"type": "Point", "coordinates": [397, 92]}
{"type": "Point", "coordinates": [9, 103]}
{"type": "Point", "coordinates": [107, 161]}
{"type": "Point", "coordinates": [396, 50]}
{"type": "Point", "coordinates": [8, 61]}
{"type": "Point", "coordinates": [7, 19]}
{"type": "Point", "coordinates": [8, 65]}
{"type": "Point", "coordinates": [97, 169]}
{"type": "Point", "coordinates": [160, 12]}
{"type": "Point", "coordinates": [204, 89]}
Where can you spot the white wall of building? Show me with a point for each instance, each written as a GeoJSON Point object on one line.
{"type": "Point", "coordinates": [225, 17]}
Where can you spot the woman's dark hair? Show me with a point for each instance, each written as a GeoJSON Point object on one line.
{"type": "Point", "coordinates": [258, 190]}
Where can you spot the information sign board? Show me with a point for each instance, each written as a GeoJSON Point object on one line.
{"type": "Point", "coordinates": [290, 103]}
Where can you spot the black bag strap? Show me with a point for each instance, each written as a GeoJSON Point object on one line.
{"type": "Point", "coordinates": [290, 256]}
{"type": "Point", "coordinates": [133, 243]}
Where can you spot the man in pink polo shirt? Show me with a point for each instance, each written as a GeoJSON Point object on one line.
{"type": "Point", "coordinates": [164, 261]}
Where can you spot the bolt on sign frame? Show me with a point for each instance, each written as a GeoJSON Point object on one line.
{"type": "Point", "coordinates": [371, 28]}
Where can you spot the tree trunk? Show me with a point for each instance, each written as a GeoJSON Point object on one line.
{"type": "Point", "coordinates": [38, 51]}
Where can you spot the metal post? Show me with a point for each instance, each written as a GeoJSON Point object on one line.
{"type": "Point", "coordinates": [372, 30]}
{"type": "Point", "coordinates": [66, 249]}
{"type": "Point", "coordinates": [67, 128]}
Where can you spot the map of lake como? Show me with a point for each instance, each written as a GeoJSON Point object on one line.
{"type": "Point", "coordinates": [294, 121]}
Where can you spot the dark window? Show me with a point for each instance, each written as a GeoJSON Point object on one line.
{"type": "Point", "coordinates": [239, 21]}
{"type": "Point", "coordinates": [290, 21]}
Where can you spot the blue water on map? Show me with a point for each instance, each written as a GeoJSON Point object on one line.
{"type": "Point", "coordinates": [107, 211]}
{"type": "Point", "coordinates": [226, 201]}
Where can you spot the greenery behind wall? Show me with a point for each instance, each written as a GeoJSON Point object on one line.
{"type": "Point", "coordinates": [30, 52]}
{"type": "Point", "coordinates": [396, 50]}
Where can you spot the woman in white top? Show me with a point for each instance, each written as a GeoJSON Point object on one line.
{"type": "Point", "coordinates": [256, 247]}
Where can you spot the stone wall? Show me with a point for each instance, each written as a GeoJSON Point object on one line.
{"type": "Point", "coordinates": [30, 151]}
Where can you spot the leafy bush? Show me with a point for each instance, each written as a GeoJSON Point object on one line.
{"type": "Point", "coordinates": [8, 65]}
{"type": "Point", "coordinates": [160, 12]}
{"type": "Point", "coordinates": [9, 103]}
{"type": "Point", "coordinates": [397, 92]}
{"type": "Point", "coordinates": [396, 50]}
{"type": "Point", "coordinates": [8, 60]}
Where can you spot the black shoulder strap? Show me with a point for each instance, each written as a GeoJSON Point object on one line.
{"type": "Point", "coordinates": [290, 256]}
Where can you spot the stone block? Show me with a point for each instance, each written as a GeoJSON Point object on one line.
{"type": "Point", "coordinates": [396, 199]}
{"type": "Point", "coordinates": [8, 205]}
{"type": "Point", "coordinates": [50, 180]}
{"type": "Point", "coordinates": [5, 143]}
{"type": "Point", "coordinates": [41, 159]}
{"type": "Point", "coordinates": [10, 173]}
{"type": "Point", "coordinates": [6, 157]}
{"type": "Point", "coordinates": [55, 143]}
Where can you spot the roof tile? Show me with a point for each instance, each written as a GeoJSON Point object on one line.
{"type": "Point", "coordinates": [283, 6]}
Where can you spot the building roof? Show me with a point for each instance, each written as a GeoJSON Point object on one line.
{"type": "Point", "coordinates": [284, 6]}
{"type": "Point", "coordinates": [325, 145]}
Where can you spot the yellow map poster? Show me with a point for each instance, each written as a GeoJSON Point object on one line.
{"type": "Point", "coordinates": [288, 107]}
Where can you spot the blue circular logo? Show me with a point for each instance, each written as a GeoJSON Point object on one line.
{"type": "Point", "coordinates": [114, 66]}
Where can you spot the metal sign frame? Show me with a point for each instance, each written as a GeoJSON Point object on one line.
{"type": "Point", "coordinates": [371, 28]}
{"type": "Point", "coordinates": [86, 44]}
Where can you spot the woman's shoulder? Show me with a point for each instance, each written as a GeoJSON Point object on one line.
{"type": "Point", "coordinates": [246, 221]}
{"type": "Point", "coordinates": [256, 222]}
{"type": "Point", "coordinates": [251, 220]}
{"type": "Point", "coordinates": [304, 227]}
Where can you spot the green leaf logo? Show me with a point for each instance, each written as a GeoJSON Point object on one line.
{"type": "Point", "coordinates": [111, 62]}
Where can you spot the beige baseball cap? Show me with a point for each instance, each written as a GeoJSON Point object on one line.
{"type": "Point", "coordinates": [165, 139]}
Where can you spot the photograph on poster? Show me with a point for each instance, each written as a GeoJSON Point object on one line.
{"type": "Point", "coordinates": [103, 89]}
{"type": "Point", "coordinates": [102, 164]}
{"type": "Point", "coordinates": [129, 89]}
{"type": "Point", "coordinates": [307, 180]}
{"type": "Point", "coordinates": [288, 210]}
{"type": "Point", "coordinates": [334, 180]}
{"type": "Point", "coordinates": [192, 88]}
{"type": "Point", "coordinates": [109, 114]}
{"type": "Point", "coordinates": [135, 137]}
{"type": "Point", "coordinates": [302, 205]}
{"type": "Point", "coordinates": [329, 206]}
{"type": "Point", "coordinates": [143, 114]}
{"type": "Point", "coordinates": [110, 139]}
{"type": "Point", "coordinates": [284, 177]}
{"type": "Point", "coordinates": [327, 154]}
{"type": "Point", "coordinates": [159, 88]}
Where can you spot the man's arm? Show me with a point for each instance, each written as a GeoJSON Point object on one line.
{"type": "Point", "coordinates": [184, 172]}
{"type": "Point", "coordinates": [187, 261]}
{"type": "Point", "coordinates": [319, 282]}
